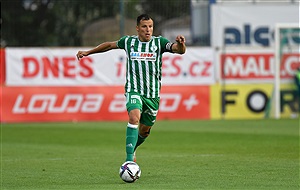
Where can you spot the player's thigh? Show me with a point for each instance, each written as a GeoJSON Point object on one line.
{"type": "Point", "coordinates": [133, 101]}
{"type": "Point", "coordinates": [150, 110]}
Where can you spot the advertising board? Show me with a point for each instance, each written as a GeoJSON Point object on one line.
{"type": "Point", "coordinates": [234, 25]}
{"type": "Point", "coordinates": [94, 103]}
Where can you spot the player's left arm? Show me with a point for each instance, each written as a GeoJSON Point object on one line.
{"type": "Point", "coordinates": [179, 46]}
{"type": "Point", "coordinates": [106, 46]}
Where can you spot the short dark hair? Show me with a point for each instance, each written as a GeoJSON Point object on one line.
{"type": "Point", "coordinates": [142, 17]}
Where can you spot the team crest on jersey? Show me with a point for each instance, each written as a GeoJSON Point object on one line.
{"type": "Point", "coordinates": [143, 56]}
{"type": "Point", "coordinates": [153, 48]}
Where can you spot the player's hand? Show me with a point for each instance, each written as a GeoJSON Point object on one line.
{"type": "Point", "coordinates": [180, 39]}
{"type": "Point", "coordinates": [81, 54]}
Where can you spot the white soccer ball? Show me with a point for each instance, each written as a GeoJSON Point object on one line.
{"type": "Point", "coordinates": [130, 172]}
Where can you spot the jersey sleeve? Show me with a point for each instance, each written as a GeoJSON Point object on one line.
{"type": "Point", "coordinates": [121, 42]}
{"type": "Point", "coordinates": [166, 45]}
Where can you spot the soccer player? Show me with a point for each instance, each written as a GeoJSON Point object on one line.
{"type": "Point", "coordinates": [143, 77]}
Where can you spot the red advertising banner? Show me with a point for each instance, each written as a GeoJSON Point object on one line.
{"type": "Point", "coordinates": [252, 66]}
{"type": "Point", "coordinates": [2, 66]}
{"type": "Point", "coordinates": [52, 104]}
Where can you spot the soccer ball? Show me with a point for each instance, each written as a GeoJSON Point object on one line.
{"type": "Point", "coordinates": [130, 172]}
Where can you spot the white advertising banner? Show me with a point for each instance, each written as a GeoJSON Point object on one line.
{"type": "Point", "coordinates": [249, 25]}
{"type": "Point", "coordinates": [60, 67]}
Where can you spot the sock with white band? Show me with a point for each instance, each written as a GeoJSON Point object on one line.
{"type": "Point", "coordinates": [131, 140]}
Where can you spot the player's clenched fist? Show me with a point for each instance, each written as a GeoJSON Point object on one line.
{"type": "Point", "coordinates": [180, 39]}
{"type": "Point", "coordinates": [81, 54]}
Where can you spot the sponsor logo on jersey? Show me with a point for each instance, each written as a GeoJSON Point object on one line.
{"type": "Point", "coordinates": [143, 56]}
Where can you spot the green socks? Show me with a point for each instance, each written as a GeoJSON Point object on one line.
{"type": "Point", "coordinates": [131, 140]}
{"type": "Point", "coordinates": [139, 141]}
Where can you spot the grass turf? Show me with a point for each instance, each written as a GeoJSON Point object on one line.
{"type": "Point", "coordinates": [237, 154]}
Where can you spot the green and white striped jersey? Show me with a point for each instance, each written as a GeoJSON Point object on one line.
{"type": "Point", "coordinates": [144, 64]}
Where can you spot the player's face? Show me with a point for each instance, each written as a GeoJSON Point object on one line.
{"type": "Point", "coordinates": [145, 30]}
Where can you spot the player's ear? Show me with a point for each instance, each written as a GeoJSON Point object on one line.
{"type": "Point", "coordinates": [137, 28]}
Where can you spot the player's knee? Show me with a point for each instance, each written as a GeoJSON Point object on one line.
{"type": "Point", "coordinates": [144, 134]}
{"type": "Point", "coordinates": [133, 120]}
{"type": "Point", "coordinates": [134, 116]}
{"type": "Point", "coordinates": [144, 131]}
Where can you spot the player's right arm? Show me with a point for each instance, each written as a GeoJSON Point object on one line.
{"type": "Point", "coordinates": [106, 46]}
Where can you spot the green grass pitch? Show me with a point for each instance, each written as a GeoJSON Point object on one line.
{"type": "Point", "coordinates": [220, 154]}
